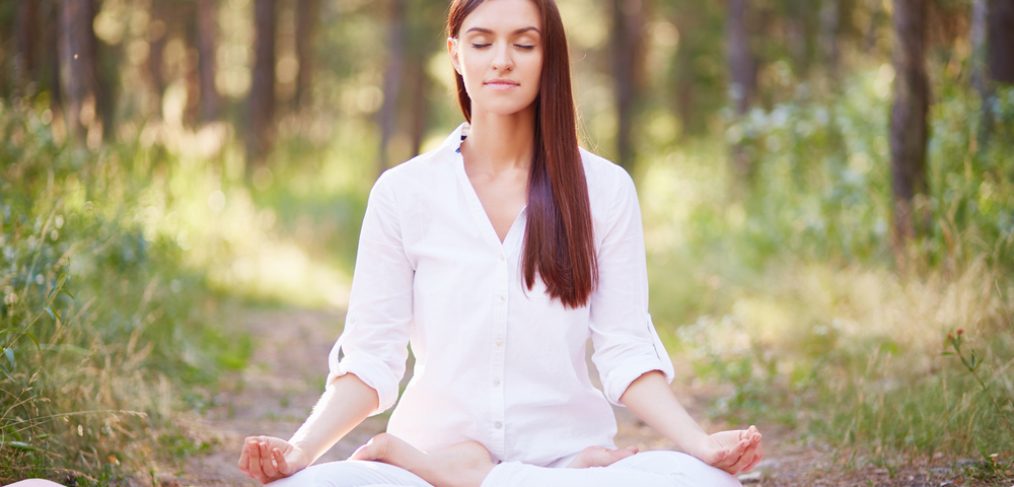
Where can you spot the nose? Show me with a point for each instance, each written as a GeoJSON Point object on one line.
{"type": "Point", "coordinates": [502, 60]}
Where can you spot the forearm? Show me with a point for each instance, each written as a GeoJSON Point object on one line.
{"type": "Point", "coordinates": [340, 409]}
{"type": "Point", "coordinates": [650, 399]}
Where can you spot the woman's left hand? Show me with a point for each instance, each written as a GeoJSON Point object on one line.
{"type": "Point", "coordinates": [734, 451]}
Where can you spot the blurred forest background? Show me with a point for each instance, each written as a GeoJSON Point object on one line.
{"type": "Point", "coordinates": [827, 187]}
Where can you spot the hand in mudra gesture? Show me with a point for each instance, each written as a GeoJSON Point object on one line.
{"type": "Point", "coordinates": [735, 451]}
{"type": "Point", "coordinates": [267, 458]}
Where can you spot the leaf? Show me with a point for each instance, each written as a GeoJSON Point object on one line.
{"type": "Point", "coordinates": [31, 336]}
{"type": "Point", "coordinates": [20, 445]}
{"type": "Point", "coordinates": [9, 353]}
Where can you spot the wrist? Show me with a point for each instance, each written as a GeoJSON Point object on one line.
{"type": "Point", "coordinates": [695, 443]}
{"type": "Point", "coordinates": [305, 452]}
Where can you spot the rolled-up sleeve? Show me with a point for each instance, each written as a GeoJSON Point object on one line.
{"type": "Point", "coordinates": [374, 342]}
{"type": "Point", "coordinates": [625, 342]}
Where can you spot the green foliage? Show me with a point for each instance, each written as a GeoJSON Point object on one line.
{"type": "Point", "coordinates": [784, 288]}
{"type": "Point", "coordinates": [104, 331]}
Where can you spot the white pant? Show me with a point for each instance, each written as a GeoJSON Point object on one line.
{"type": "Point", "coordinates": [646, 469]}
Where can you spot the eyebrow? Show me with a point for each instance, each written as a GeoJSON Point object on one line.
{"type": "Point", "coordinates": [516, 32]}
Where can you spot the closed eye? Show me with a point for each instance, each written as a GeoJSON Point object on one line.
{"type": "Point", "coordinates": [522, 46]}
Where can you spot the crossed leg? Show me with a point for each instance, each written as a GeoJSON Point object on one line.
{"type": "Point", "coordinates": [469, 464]}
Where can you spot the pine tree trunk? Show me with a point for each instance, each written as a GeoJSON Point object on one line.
{"type": "Point", "coordinates": [51, 53]}
{"type": "Point", "coordinates": [1000, 42]}
{"type": "Point", "coordinates": [307, 12]}
{"type": "Point", "coordinates": [25, 41]}
{"type": "Point", "coordinates": [909, 125]}
{"type": "Point", "coordinates": [628, 62]}
{"type": "Point", "coordinates": [980, 77]}
{"type": "Point", "coordinates": [78, 71]}
{"type": "Point", "coordinates": [262, 91]}
{"type": "Point", "coordinates": [158, 36]}
{"type": "Point", "coordinates": [830, 30]}
{"type": "Point", "coordinates": [207, 15]}
{"type": "Point", "coordinates": [742, 76]}
{"type": "Point", "coordinates": [420, 92]}
{"type": "Point", "coordinates": [392, 79]}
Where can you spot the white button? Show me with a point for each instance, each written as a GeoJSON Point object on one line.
{"type": "Point", "coordinates": [496, 382]}
{"type": "Point", "coordinates": [502, 258]}
{"type": "Point", "coordinates": [498, 425]}
{"type": "Point", "coordinates": [499, 342]}
{"type": "Point", "coordinates": [502, 298]}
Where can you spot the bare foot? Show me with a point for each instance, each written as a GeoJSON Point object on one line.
{"type": "Point", "coordinates": [600, 456]}
{"type": "Point", "coordinates": [461, 465]}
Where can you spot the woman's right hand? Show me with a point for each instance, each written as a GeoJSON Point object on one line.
{"type": "Point", "coordinates": [267, 458]}
{"type": "Point", "coordinates": [735, 451]}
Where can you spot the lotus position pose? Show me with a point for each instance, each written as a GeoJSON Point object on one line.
{"type": "Point", "coordinates": [498, 256]}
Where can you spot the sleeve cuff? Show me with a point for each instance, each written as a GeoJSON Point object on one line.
{"type": "Point", "coordinates": [371, 371]}
{"type": "Point", "coordinates": [621, 377]}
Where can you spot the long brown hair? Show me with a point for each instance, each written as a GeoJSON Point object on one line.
{"type": "Point", "coordinates": [558, 240]}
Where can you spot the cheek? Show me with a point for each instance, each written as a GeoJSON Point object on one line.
{"type": "Point", "coordinates": [535, 66]}
{"type": "Point", "coordinates": [473, 69]}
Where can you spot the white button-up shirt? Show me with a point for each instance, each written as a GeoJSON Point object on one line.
{"type": "Point", "coordinates": [495, 362]}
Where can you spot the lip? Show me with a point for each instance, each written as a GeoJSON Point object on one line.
{"type": "Point", "coordinates": [501, 83]}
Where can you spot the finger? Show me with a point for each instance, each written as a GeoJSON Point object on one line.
{"type": "Point", "coordinates": [250, 467]}
{"type": "Point", "coordinates": [244, 457]}
{"type": "Point", "coordinates": [757, 453]}
{"type": "Point", "coordinates": [758, 456]}
{"type": "Point", "coordinates": [735, 453]}
{"type": "Point", "coordinates": [267, 461]}
{"type": "Point", "coordinates": [744, 460]}
{"type": "Point", "coordinates": [283, 466]}
{"type": "Point", "coordinates": [255, 461]}
{"type": "Point", "coordinates": [723, 460]}
{"type": "Point", "coordinates": [753, 464]}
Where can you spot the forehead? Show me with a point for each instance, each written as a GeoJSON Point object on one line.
{"type": "Point", "coordinates": [503, 16]}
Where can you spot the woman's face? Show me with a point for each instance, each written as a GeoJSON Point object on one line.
{"type": "Point", "coordinates": [498, 53]}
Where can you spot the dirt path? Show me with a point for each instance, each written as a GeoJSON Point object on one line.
{"type": "Point", "coordinates": [287, 371]}
{"type": "Point", "coordinates": [273, 395]}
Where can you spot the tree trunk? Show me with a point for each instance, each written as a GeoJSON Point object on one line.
{"type": "Point", "coordinates": [686, 93]}
{"type": "Point", "coordinates": [307, 12]}
{"type": "Point", "coordinates": [207, 14]}
{"type": "Point", "coordinates": [420, 93]}
{"type": "Point", "coordinates": [79, 74]}
{"type": "Point", "coordinates": [158, 36]}
{"type": "Point", "coordinates": [51, 41]}
{"type": "Point", "coordinates": [742, 75]}
{"type": "Point", "coordinates": [909, 125]}
{"type": "Point", "coordinates": [392, 78]}
{"type": "Point", "coordinates": [25, 41]}
{"type": "Point", "coordinates": [830, 30]}
{"type": "Point", "coordinates": [628, 62]}
{"type": "Point", "coordinates": [799, 34]}
{"type": "Point", "coordinates": [980, 77]}
{"type": "Point", "coordinates": [262, 92]}
{"type": "Point", "coordinates": [1000, 42]}
{"type": "Point", "coordinates": [191, 64]}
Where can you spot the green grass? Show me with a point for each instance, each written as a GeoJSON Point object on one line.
{"type": "Point", "coordinates": [107, 333]}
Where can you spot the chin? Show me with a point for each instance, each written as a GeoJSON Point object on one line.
{"type": "Point", "coordinates": [501, 108]}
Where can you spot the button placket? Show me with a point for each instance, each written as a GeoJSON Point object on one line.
{"type": "Point", "coordinates": [500, 317]}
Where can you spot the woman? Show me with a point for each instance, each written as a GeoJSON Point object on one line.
{"type": "Point", "coordinates": [498, 255]}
